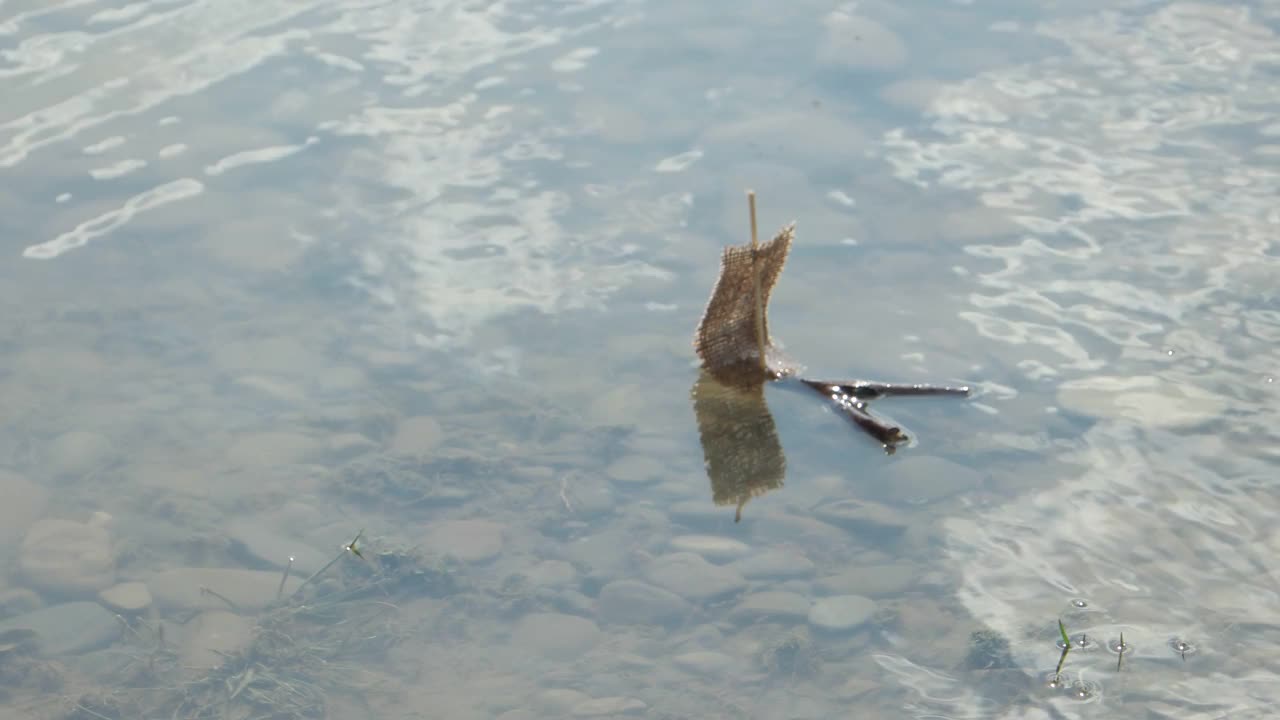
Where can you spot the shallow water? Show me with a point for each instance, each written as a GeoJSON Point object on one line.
{"type": "Point", "coordinates": [281, 272]}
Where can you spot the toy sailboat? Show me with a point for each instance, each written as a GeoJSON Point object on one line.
{"type": "Point", "coordinates": [740, 445]}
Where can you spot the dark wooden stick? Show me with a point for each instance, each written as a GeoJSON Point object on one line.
{"type": "Point", "coordinates": [889, 436]}
{"type": "Point", "coordinates": [870, 390]}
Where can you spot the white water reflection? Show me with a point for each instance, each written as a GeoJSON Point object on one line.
{"type": "Point", "coordinates": [1144, 280]}
{"type": "Point", "coordinates": [109, 221]}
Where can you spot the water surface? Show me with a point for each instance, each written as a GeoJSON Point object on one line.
{"type": "Point", "coordinates": [280, 272]}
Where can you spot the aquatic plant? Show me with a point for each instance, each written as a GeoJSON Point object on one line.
{"type": "Point", "coordinates": [1066, 648]}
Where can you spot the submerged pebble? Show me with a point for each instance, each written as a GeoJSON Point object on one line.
{"type": "Point", "coordinates": [705, 662]}
{"type": "Point", "coordinates": [213, 636]}
{"type": "Point", "coordinates": [864, 517]}
{"type": "Point", "coordinates": [268, 449]}
{"type": "Point", "coordinates": [925, 478]}
{"type": "Point", "coordinates": [560, 700]}
{"type": "Point", "coordinates": [74, 627]}
{"type": "Point", "coordinates": [469, 541]}
{"type": "Point", "coordinates": [771, 605]}
{"type": "Point", "coordinates": [67, 558]}
{"type": "Point", "coordinates": [556, 635]}
{"type": "Point", "coordinates": [550, 574]}
{"type": "Point", "coordinates": [841, 613]}
{"type": "Point", "coordinates": [701, 514]}
{"type": "Point", "coordinates": [634, 602]}
{"type": "Point", "coordinates": [1146, 399]}
{"type": "Point", "coordinates": [16, 601]}
{"type": "Point", "coordinates": [774, 564]}
{"type": "Point", "coordinates": [78, 453]}
{"type": "Point", "coordinates": [416, 436]}
{"type": "Point", "coordinates": [129, 598]}
{"type": "Point", "coordinates": [693, 578]}
{"type": "Point", "coordinates": [600, 707]}
{"type": "Point", "coordinates": [260, 542]}
{"type": "Point", "coordinates": [636, 470]}
{"type": "Point", "coordinates": [24, 502]}
{"type": "Point", "coordinates": [870, 580]}
{"type": "Point", "coordinates": [712, 547]}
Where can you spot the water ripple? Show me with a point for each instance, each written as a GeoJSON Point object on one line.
{"type": "Point", "coordinates": [87, 231]}
{"type": "Point", "coordinates": [1143, 278]}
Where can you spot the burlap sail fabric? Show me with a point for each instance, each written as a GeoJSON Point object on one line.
{"type": "Point", "coordinates": [726, 339]}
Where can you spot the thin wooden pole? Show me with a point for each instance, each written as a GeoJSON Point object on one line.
{"type": "Point", "coordinates": [761, 338]}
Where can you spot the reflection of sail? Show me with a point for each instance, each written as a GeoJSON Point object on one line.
{"type": "Point", "coordinates": [739, 441]}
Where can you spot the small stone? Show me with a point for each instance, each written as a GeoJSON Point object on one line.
{"type": "Point", "coordinates": [633, 602]}
{"type": "Point", "coordinates": [348, 445]}
{"type": "Point", "coordinates": [989, 650]}
{"type": "Point", "coordinates": [705, 662]}
{"type": "Point", "coordinates": [212, 636]}
{"type": "Point", "coordinates": [774, 564]}
{"type": "Point", "coordinates": [636, 470]}
{"type": "Point", "coordinates": [560, 700]}
{"type": "Point", "coordinates": [74, 627]}
{"type": "Point", "coordinates": [260, 542]}
{"type": "Point", "coordinates": [693, 578]}
{"type": "Point", "coordinates": [1147, 400]}
{"type": "Point", "coordinates": [24, 502]}
{"type": "Point", "coordinates": [17, 642]}
{"type": "Point", "coordinates": [550, 574]}
{"type": "Point", "coordinates": [712, 547]}
{"type": "Point", "coordinates": [68, 558]}
{"type": "Point", "coordinates": [16, 601]}
{"type": "Point", "coordinates": [701, 514]}
{"type": "Point", "coordinates": [784, 529]}
{"type": "Point", "coordinates": [417, 436]}
{"type": "Point", "coordinates": [771, 605]}
{"type": "Point", "coordinates": [557, 636]}
{"type": "Point", "coordinates": [590, 499]}
{"type": "Point", "coordinates": [841, 613]}
{"type": "Point", "coordinates": [469, 541]}
{"type": "Point", "coordinates": [130, 598]}
{"type": "Point", "coordinates": [268, 449]}
{"type": "Point", "coordinates": [871, 580]}
{"type": "Point", "coordinates": [925, 478]}
{"type": "Point", "coordinates": [78, 453]}
{"type": "Point", "coordinates": [185, 588]}
{"type": "Point", "coordinates": [599, 707]}
{"type": "Point", "coordinates": [864, 518]}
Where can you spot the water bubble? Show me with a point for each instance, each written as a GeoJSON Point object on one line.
{"type": "Point", "coordinates": [1268, 379]}
{"type": "Point", "coordinates": [1079, 603]}
{"type": "Point", "coordinates": [1054, 681]}
{"type": "Point", "coordinates": [1116, 646]}
{"type": "Point", "coordinates": [1084, 691]}
{"type": "Point", "coordinates": [1182, 647]}
{"type": "Point", "coordinates": [1079, 641]}
{"type": "Point", "coordinates": [1169, 352]}
{"type": "Point", "coordinates": [1083, 642]}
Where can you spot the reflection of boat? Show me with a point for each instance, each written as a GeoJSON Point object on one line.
{"type": "Point", "coordinates": [739, 440]}
{"type": "Point", "coordinates": [740, 446]}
